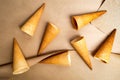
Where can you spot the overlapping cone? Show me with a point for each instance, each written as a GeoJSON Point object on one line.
{"type": "Point", "coordinates": [79, 45]}
{"type": "Point", "coordinates": [19, 63]}
{"type": "Point", "coordinates": [104, 51]}
{"type": "Point", "coordinates": [31, 62]}
{"type": "Point", "coordinates": [34, 60]}
{"type": "Point", "coordinates": [30, 26]}
{"type": "Point", "coordinates": [82, 20]}
{"type": "Point", "coordinates": [59, 59]}
{"type": "Point", "coordinates": [50, 33]}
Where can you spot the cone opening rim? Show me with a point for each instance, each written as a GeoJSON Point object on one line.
{"type": "Point", "coordinates": [77, 39]}
{"type": "Point", "coordinates": [69, 59]}
{"type": "Point", "coordinates": [26, 32]}
{"type": "Point", "coordinates": [56, 28]}
{"type": "Point", "coordinates": [75, 24]}
{"type": "Point", "coordinates": [102, 60]}
{"type": "Point", "coordinates": [21, 70]}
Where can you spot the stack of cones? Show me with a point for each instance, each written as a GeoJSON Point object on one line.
{"type": "Point", "coordinates": [30, 26]}
{"type": "Point", "coordinates": [79, 45]}
{"type": "Point", "coordinates": [82, 20]}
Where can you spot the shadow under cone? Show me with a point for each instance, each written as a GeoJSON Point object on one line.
{"type": "Point", "coordinates": [104, 51]}
{"type": "Point", "coordinates": [19, 63]}
{"type": "Point", "coordinates": [83, 19]}
{"type": "Point", "coordinates": [50, 33]}
{"type": "Point", "coordinates": [59, 59]}
{"type": "Point", "coordinates": [79, 45]}
{"type": "Point", "coordinates": [30, 26]}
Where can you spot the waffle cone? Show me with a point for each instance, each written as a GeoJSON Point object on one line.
{"type": "Point", "coordinates": [50, 33]}
{"type": "Point", "coordinates": [59, 59]}
{"type": "Point", "coordinates": [104, 51]}
{"type": "Point", "coordinates": [82, 20]}
{"type": "Point", "coordinates": [79, 45]}
{"type": "Point", "coordinates": [19, 63]}
{"type": "Point", "coordinates": [30, 26]}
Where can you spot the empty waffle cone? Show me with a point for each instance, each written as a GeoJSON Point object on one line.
{"type": "Point", "coordinates": [59, 59]}
{"type": "Point", "coordinates": [81, 20]}
{"type": "Point", "coordinates": [79, 45]}
{"type": "Point", "coordinates": [104, 51]}
{"type": "Point", "coordinates": [30, 26]}
{"type": "Point", "coordinates": [50, 33]}
{"type": "Point", "coordinates": [19, 63]}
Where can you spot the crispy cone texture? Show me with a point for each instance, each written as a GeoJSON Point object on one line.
{"type": "Point", "coordinates": [50, 33]}
{"type": "Point", "coordinates": [19, 63]}
{"type": "Point", "coordinates": [82, 20]}
{"type": "Point", "coordinates": [30, 26]}
{"type": "Point", "coordinates": [104, 51]}
{"type": "Point", "coordinates": [59, 59]}
{"type": "Point", "coordinates": [79, 45]}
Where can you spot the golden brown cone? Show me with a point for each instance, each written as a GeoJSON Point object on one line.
{"type": "Point", "coordinates": [50, 33]}
{"type": "Point", "coordinates": [35, 60]}
{"type": "Point", "coordinates": [79, 45]}
{"type": "Point", "coordinates": [104, 51]}
{"type": "Point", "coordinates": [19, 63]}
{"type": "Point", "coordinates": [59, 59]}
{"type": "Point", "coordinates": [82, 20]}
{"type": "Point", "coordinates": [30, 26]}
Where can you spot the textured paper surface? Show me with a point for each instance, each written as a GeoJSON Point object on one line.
{"type": "Point", "coordinates": [15, 12]}
{"type": "Point", "coordinates": [110, 20]}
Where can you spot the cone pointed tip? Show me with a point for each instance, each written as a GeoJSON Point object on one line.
{"type": "Point", "coordinates": [14, 40]}
{"type": "Point", "coordinates": [104, 11]}
{"type": "Point", "coordinates": [43, 5]}
{"type": "Point", "coordinates": [91, 67]}
{"type": "Point", "coordinates": [115, 30]}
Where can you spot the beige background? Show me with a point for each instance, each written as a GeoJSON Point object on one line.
{"type": "Point", "coordinates": [14, 13]}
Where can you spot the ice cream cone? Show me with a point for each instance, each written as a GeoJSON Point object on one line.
{"type": "Point", "coordinates": [82, 20]}
{"type": "Point", "coordinates": [104, 51]}
{"type": "Point", "coordinates": [19, 63]}
{"type": "Point", "coordinates": [30, 26]}
{"type": "Point", "coordinates": [35, 60]}
{"type": "Point", "coordinates": [79, 45]}
{"type": "Point", "coordinates": [59, 59]}
{"type": "Point", "coordinates": [50, 33]}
